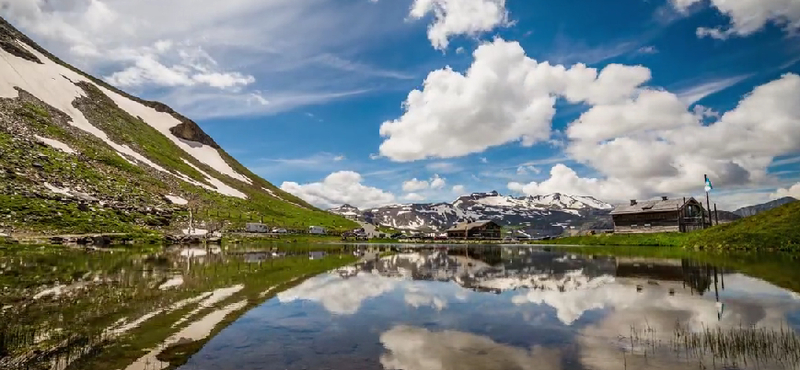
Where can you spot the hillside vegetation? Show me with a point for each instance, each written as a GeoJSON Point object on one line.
{"type": "Point", "coordinates": [117, 171]}
{"type": "Point", "coordinates": [776, 229]}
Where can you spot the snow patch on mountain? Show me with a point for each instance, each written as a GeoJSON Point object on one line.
{"type": "Point", "coordinates": [54, 84]}
{"type": "Point", "coordinates": [565, 201]}
{"type": "Point", "coordinates": [162, 122]}
{"type": "Point", "coordinates": [542, 210]}
{"type": "Point", "coordinates": [346, 210]}
{"type": "Point", "coordinates": [217, 185]}
{"type": "Point", "coordinates": [53, 143]}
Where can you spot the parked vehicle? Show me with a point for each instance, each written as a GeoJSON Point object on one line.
{"type": "Point", "coordinates": [253, 227]}
{"type": "Point", "coordinates": [318, 230]}
{"type": "Point", "coordinates": [278, 230]}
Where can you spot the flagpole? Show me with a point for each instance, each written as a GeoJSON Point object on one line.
{"type": "Point", "coordinates": [708, 202]}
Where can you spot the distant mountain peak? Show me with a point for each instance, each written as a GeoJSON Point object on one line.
{"type": "Point", "coordinates": [758, 208]}
{"type": "Point", "coordinates": [544, 211]}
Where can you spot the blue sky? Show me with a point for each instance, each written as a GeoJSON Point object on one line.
{"type": "Point", "coordinates": [299, 90]}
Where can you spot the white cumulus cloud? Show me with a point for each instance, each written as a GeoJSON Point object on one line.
{"type": "Point", "coordinates": [412, 348]}
{"type": "Point", "coordinates": [437, 182]}
{"type": "Point", "coordinates": [504, 96]}
{"type": "Point", "coordinates": [651, 144]}
{"type": "Point", "coordinates": [338, 295]}
{"type": "Point", "coordinates": [415, 185]}
{"type": "Point", "coordinates": [414, 197]}
{"type": "Point", "coordinates": [339, 188]}
{"type": "Point", "coordinates": [792, 191]}
{"type": "Point", "coordinates": [459, 189]}
{"type": "Point", "coordinates": [460, 17]}
{"type": "Point", "coordinates": [565, 180]}
{"type": "Point", "coordinates": [748, 16]}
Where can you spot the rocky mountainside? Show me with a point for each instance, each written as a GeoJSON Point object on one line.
{"type": "Point", "coordinates": [543, 212]}
{"type": "Point", "coordinates": [758, 208]}
{"type": "Point", "coordinates": [78, 155]}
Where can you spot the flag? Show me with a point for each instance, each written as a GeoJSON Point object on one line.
{"type": "Point", "coordinates": [708, 185]}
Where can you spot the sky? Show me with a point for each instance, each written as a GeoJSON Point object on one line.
{"type": "Point", "coordinates": [372, 102]}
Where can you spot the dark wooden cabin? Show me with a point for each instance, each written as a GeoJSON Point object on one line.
{"type": "Point", "coordinates": [474, 230]}
{"type": "Point", "coordinates": [658, 216]}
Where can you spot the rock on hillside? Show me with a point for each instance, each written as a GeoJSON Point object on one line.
{"type": "Point", "coordinates": [541, 211]}
{"type": "Point", "coordinates": [78, 155]}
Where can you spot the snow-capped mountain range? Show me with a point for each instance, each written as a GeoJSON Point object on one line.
{"type": "Point", "coordinates": [515, 269]}
{"type": "Point", "coordinates": [539, 212]}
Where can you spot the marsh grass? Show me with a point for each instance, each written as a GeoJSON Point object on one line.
{"type": "Point", "coordinates": [741, 347]}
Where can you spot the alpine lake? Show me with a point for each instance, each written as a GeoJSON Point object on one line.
{"type": "Point", "coordinates": [303, 306]}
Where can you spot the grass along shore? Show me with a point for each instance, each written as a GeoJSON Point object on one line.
{"type": "Point", "coordinates": [775, 230]}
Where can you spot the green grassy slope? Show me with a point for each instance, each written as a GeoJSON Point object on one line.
{"type": "Point", "coordinates": [131, 196]}
{"type": "Point", "coordinates": [776, 229]}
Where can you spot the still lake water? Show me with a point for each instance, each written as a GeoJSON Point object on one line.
{"type": "Point", "coordinates": [515, 307]}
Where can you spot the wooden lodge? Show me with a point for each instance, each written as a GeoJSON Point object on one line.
{"type": "Point", "coordinates": [475, 230]}
{"type": "Point", "coordinates": [657, 216]}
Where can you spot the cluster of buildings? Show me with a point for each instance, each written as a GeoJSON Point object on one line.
{"type": "Point", "coordinates": [649, 216]}
{"type": "Point", "coordinates": [255, 227]}
{"type": "Point", "coordinates": [475, 230]}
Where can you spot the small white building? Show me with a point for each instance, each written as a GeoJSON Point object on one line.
{"type": "Point", "coordinates": [254, 227]}
{"type": "Point", "coordinates": [316, 230]}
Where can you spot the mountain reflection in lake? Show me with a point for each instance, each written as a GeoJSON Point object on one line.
{"type": "Point", "coordinates": [65, 308]}
{"type": "Point", "coordinates": [477, 308]}
{"type": "Point", "coordinates": [523, 309]}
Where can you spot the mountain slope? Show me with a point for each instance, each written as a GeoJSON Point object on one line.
{"type": "Point", "coordinates": [538, 212]}
{"type": "Point", "coordinates": [758, 208]}
{"type": "Point", "coordinates": [81, 156]}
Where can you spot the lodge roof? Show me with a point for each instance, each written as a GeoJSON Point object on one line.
{"type": "Point", "coordinates": [469, 225]}
{"type": "Point", "coordinates": [648, 206]}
